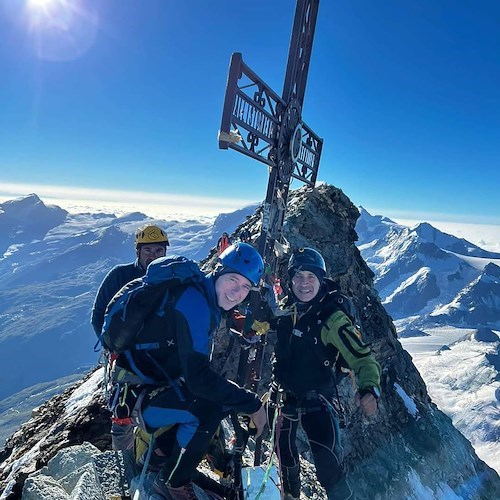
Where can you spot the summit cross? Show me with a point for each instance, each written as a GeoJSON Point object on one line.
{"type": "Point", "coordinates": [259, 123]}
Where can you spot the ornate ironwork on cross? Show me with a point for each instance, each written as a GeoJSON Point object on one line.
{"type": "Point", "coordinates": [259, 123]}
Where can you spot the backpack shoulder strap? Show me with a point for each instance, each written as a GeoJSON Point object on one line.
{"type": "Point", "coordinates": [335, 300]}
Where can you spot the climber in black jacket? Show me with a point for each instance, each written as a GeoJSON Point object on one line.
{"type": "Point", "coordinates": [314, 335]}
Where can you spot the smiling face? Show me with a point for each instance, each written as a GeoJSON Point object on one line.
{"type": "Point", "coordinates": [231, 289]}
{"type": "Point", "coordinates": [148, 253]}
{"type": "Point", "coordinates": [305, 285]}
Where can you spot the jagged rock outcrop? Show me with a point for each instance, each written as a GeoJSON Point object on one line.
{"type": "Point", "coordinates": [408, 450]}
{"type": "Point", "coordinates": [409, 441]}
{"type": "Point", "coordinates": [54, 426]}
{"type": "Point", "coordinates": [486, 335]}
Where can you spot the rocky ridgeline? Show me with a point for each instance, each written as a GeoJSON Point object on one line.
{"type": "Point", "coordinates": [410, 449]}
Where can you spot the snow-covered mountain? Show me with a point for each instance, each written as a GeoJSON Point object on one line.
{"type": "Point", "coordinates": [27, 219]}
{"type": "Point", "coordinates": [408, 450]}
{"type": "Point", "coordinates": [477, 303]}
{"type": "Point", "coordinates": [429, 275]}
{"type": "Point", "coordinates": [445, 295]}
{"type": "Point", "coordinates": [51, 264]}
{"type": "Point", "coordinates": [375, 227]}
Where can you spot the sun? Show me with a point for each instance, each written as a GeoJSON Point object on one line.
{"type": "Point", "coordinates": [61, 30]}
{"type": "Point", "coordinates": [43, 7]}
{"type": "Point", "coordinates": [46, 14]}
{"type": "Point", "coordinates": [46, 7]}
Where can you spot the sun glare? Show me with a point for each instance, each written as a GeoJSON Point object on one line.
{"type": "Point", "coordinates": [44, 12]}
{"type": "Point", "coordinates": [40, 4]}
{"type": "Point", "coordinates": [61, 30]}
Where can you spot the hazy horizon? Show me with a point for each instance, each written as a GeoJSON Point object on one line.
{"type": "Point", "coordinates": [167, 206]}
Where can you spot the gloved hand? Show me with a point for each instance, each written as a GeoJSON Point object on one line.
{"type": "Point", "coordinates": [265, 397]}
{"type": "Point", "coordinates": [260, 327]}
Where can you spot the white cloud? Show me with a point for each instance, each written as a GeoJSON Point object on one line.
{"type": "Point", "coordinates": [426, 216]}
{"type": "Point", "coordinates": [160, 205]}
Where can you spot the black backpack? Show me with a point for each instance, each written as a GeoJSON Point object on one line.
{"type": "Point", "coordinates": [136, 308]}
{"type": "Point", "coordinates": [337, 301]}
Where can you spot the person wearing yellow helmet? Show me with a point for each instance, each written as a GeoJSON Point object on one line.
{"type": "Point", "coordinates": [150, 243]}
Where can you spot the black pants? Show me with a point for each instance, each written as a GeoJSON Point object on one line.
{"type": "Point", "coordinates": [323, 434]}
{"type": "Point", "coordinates": [195, 421]}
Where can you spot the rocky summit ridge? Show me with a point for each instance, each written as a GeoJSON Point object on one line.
{"type": "Point", "coordinates": [410, 449]}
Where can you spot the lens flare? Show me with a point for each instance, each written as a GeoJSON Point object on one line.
{"type": "Point", "coordinates": [61, 30]}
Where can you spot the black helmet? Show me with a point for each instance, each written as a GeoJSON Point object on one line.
{"type": "Point", "coordinates": [307, 259]}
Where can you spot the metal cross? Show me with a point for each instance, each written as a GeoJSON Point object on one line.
{"type": "Point", "coordinates": [260, 124]}
{"type": "Point", "coordinates": [266, 127]}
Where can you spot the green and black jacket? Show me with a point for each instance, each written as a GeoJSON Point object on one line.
{"type": "Point", "coordinates": [314, 341]}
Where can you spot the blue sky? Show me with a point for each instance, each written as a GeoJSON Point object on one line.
{"type": "Point", "coordinates": [127, 95]}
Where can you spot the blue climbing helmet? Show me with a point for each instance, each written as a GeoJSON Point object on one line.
{"type": "Point", "coordinates": [307, 259]}
{"type": "Point", "coordinates": [241, 258]}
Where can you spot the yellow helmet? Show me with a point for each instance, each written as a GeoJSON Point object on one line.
{"type": "Point", "coordinates": [151, 234]}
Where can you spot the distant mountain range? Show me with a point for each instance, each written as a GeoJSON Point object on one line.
{"type": "Point", "coordinates": [51, 264]}
{"type": "Point", "coordinates": [432, 276]}
{"type": "Point", "coordinates": [48, 285]}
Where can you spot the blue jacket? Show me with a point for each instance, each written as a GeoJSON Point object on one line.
{"type": "Point", "coordinates": [188, 328]}
{"type": "Point", "coordinates": [119, 276]}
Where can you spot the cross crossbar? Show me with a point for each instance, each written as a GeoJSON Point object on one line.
{"type": "Point", "coordinates": [252, 119]}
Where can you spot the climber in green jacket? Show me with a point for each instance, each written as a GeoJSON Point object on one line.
{"type": "Point", "coordinates": [316, 338]}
